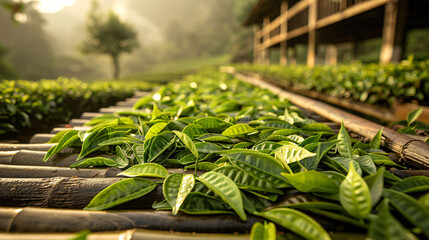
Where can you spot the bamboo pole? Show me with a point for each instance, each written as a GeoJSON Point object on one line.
{"type": "Point", "coordinates": [16, 171]}
{"type": "Point", "coordinates": [55, 220]}
{"type": "Point", "coordinates": [78, 122]}
{"type": "Point", "coordinates": [70, 192]}
{"type": "Point", "coordinates": [413, 151]}
{"type": "Point", "coordinates": [90, 115]}
{"type": "Point", "coordinates": [41, 138]}
{"type": "Point", "coordinates": [35, 158]}
{"type": "Point", "coordinates": [33, 147]}
{"type": "Point", "coordinates": [132, 234]}
{"type": "Point", "coordinates": [63, 192]}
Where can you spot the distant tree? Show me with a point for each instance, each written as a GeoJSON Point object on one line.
{"type": "Point", "coordinates": [110, 36]}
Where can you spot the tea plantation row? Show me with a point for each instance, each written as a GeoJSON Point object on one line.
{"type": "Point", "coordinates": [373, 84]}
{"type": "Point", "coordinates": [26, 103]}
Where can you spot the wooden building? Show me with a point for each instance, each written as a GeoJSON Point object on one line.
{"type": "Point", "coordinates": [285, 23]}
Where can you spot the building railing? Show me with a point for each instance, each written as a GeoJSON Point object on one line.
{"type": "Point", "coordinates": [298, 19]}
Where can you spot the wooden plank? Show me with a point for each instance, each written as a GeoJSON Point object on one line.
{"type": "Point", "coordinates": [389, 26]}
{"type": "Point", "coordinates": [297, 32]}
{"type": "Point", "coordinates": [350, 12]}
{"type": "Point", "coordinates": [297, 8]}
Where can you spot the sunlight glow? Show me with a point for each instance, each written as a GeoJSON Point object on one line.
{"type": "Point", "coordinates": [51, 6]}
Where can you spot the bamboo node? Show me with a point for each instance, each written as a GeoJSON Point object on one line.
{"type": "Point", "coordinates": [52, 191]}
{"type": "Point", "coordinates": [402, 154]}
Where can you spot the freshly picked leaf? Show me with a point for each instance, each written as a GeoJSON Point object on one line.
{"type": "Point", "coordinates": [297, 222]}
{"type": "Point", "coordinates": [312, 181]}
{"type": "Point", "coordinates": [291, 153]}
{"type": "Point", "coordinates": [413, 115]}
{"type": "Point", "coordinates": [67, 139]}
{"type": "Point", "coordinates": [238, 130]}
{"type": "Point", "coordinates": [176, 188]}
{"type": "Point", "coordinates": [94, 162]}
{"type": "Point", "coordinates": [266, 231]}
{"type": "Point", "coordinates": [355, 196]}
{"type": "Point", "coordinates": [155, 129]}
{"type": "Point", "coordinates": [345, 144]}
{"type": "Point", "coordinates": [226, 189]}
{"type": "Point", "coordinates": [187, 141]}
{"type": "Point", "coordinates": [145, 170]}
{"type": "Point", "coordinates": [120, 192]}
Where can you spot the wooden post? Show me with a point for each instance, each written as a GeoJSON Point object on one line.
{"type": "Point", "coordinates": [266, 37]}
{"type": "Point", "coordinates": [256, 40]}
{"type": "Point", "coordinates": [312, 19]}
{"type": "Point", "coordinates": [401, 34]}
{"type": "Point", "coordinates": [393, 31]}
{"type": "Point", "coordinates": [331, 54]}
{"type": "Point", "coordinates": [283, 31]}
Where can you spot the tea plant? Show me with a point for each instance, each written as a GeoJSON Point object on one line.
{"type": "Point", "coordinates": [256, 154]}
{"type": "Point", "coordinates": [373, 83]}
{"type": "Point", "coordinates": [23, 103]}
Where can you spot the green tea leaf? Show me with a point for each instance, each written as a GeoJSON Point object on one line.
{"type": "Point", "coordinates": [410, 208]}
{"type": "Point", "coordinates": [246, 181]}
{"type": "Point", "coordinates": [297, 222]}
{"type": "Point", "coordinates": [94, 162]}
{"type": "Point", "coordinates": [257, 164]}
{"type": "Point", "coordinates": [176, 188]}
{"type": "Point", "coordinates": [155, 111]}
{"type": "Point", "coordinates": [355, 196]}
{"type": "Point", "coordinates": [316, 128]}
{"type": "Point", "coordinates": [366, 164]}
{"type": "Point", "coordinates": [376, 140]}
{"type": "Point", "coordinates": [188, 142]}
{"type": "Point", "coordinates": [66, 140]}
{"type": "Point", "coordinates": [322, 148]}
{"type": "Point", "coordinates": [375, 184]}
{"type": "Point", "coordinates": [412, 185]}
{"type": "Point", "coordinates": [238, 130]}
{"type": "Point", "coordinates": [121, 192]}
{"type": "Point", "coordinates": [90, 144]}
{"type": "Point", "coordinates": [197, 203]}
{"type": "Point", "coordinates": [413, 115]}
{"type": "Point", "coordinates": [424, 200]}
{"type": "Point", "coordinates": [226, 189]}
{"type": "Point", "coordinates": [158, 144]}
{"type": "Point", "coordinates": [155, 129]}
{"type": "Point", "coordinates": [345, 144]}
{"type": "Point", "coordinates": [194, 130]}
{"type": "Point", "coordinates": [263, 231]}
{"type": "Point", "coordinates": [385, 226]}
{"type": "Point", "coordinates": [312, 181]}
{"type": "Point", "coordinates": [205, 147]}
{"type": "Point", "coordinates": [291, 153]}
{"type": "Point", "coordinates": [203, 166]}
{"type": "Point", "coordinates": [145, 170]}
{"type": "Point", "coordinates": [213, 124]}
